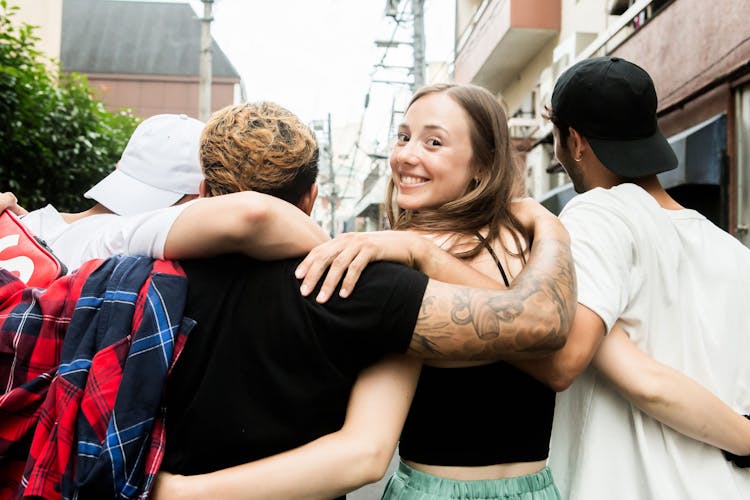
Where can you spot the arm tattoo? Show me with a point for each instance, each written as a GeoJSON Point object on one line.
{"type": "Point", "coordinates": [485, 318]}
{"type": "Point", "coordinates": [532, 318]}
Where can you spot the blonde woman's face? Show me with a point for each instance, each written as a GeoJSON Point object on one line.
{"type": "Point", "coordinates": [431, 161]}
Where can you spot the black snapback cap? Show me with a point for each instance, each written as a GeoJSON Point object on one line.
{"type": "Point", "coordinates": [612, 102]}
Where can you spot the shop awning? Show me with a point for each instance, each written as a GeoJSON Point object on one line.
{"type": "Point", "coordinates": [700, 151]}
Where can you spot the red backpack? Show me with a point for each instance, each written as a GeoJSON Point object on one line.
{"type": "Point", "coordinates": [26, 256]}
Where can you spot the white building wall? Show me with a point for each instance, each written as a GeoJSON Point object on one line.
{"type": "Point", "coordinates": [47, 15]}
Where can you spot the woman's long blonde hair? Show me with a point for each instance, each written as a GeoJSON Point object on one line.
{"type": "Point", "coordinates": [486, 201]}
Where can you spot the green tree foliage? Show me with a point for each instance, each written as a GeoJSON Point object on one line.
{"type": "Point", "coordinates": [56, 139]}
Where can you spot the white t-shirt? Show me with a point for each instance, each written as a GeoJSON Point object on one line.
{"type": "Point", "coordinates": [103, 235]}
{"type": "Point", "coordinates": [680, 285]}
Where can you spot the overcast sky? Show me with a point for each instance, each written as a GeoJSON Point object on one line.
{"type": "Point", "coordinates": [316, 56]}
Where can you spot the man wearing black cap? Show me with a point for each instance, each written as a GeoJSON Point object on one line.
{"type": "Point", "coordinates": [663, 282]}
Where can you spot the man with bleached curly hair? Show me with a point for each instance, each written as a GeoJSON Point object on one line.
{"type": "Point", "coordinates": [260, 147]}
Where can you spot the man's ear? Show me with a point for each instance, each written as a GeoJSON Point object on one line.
{"type": "Point", "coordinates": [578, 144]}
{"type": "Point", "coordinates": [202, 191]}
{"type": "Point", "coordinates": [307, 201]}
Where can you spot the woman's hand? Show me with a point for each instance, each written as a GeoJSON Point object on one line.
{"type": "Point", "coordinates": [9, 201]}
{"type": "Point", "coordinates": [350, 253]}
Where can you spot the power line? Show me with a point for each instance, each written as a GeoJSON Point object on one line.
{"type": "Point", "coordinates": [416, 69]}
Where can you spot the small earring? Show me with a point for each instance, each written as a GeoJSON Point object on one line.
{"type": "Point", "coordinates": [579, 158]}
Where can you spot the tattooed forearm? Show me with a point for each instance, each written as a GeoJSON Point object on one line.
{"type": "Point", "coordinates": [530, 319]}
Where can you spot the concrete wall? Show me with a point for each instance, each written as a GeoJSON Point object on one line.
{"type": "Point", "coordinates": [690, 44]}
{"type": "Point", "coordinates": [587, 16]}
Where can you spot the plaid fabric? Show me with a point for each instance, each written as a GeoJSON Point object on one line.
{"type": "Point", "coordinates": [33, 323]}
{"type": "Point", "coordinates": [100, 430]}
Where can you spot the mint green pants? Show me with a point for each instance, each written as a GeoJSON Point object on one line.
{"type": "Point", "coordinates": [410, 484]}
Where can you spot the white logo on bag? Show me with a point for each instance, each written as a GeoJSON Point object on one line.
{"type": "Point", "coordinates": [21, 265]}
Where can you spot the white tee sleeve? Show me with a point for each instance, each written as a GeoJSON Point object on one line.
{"type": "Point", "coordinates": [148, 235]}
{"type": "Point", "coordinates": [140, 234]}
{"type": "Point", "coordinates": [602, 248]}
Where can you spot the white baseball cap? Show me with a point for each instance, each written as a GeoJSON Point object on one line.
{"type": "Point", "coordinates": [159, 166]}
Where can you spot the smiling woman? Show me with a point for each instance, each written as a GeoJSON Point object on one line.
{"type": "Point", "coordinates": [432, 162]}
{"type": "Point", "coordinates": [475, 429]}
{"type": "Point", "coordinates": [454, 176]}
{"type": "Point", "coordinates": [453, 169]}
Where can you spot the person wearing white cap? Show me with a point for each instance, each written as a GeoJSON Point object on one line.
{"type": "Point", "coordinates": [260, 225]}
{"type": "Point", "coordinates": [158, 168]}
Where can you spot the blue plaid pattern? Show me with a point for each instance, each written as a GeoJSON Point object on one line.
{"type": "Point", "coordinates": [103, 416]}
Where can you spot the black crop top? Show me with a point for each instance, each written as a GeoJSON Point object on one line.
{"type": "Point", "coordinates": [483, 415]}
{"type": "Point", "coordinates": [475, 416]}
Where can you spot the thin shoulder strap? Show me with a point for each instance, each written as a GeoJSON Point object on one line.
{"type": "Point", "coordinates": [494, 257]}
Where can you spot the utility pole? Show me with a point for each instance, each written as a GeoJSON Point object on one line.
{"type": "Point", "coordinates": [417, 69]}
{"type": "Point", "coordinates": [417, 10]}
{"type": "Point", "coordinates": [333, 197]}
{"type": "Point", "coordinates": [204, 100]}
{"type": "Point", "coordinates": [323, 132]}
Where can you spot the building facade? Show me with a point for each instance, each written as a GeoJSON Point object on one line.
{"type": "Point", "coordinates": [697, 52]}
{"type": "Point", "coordinates": [143, 55]}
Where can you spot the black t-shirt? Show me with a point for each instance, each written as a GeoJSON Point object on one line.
{"type": "Point", "coordinates": [267, 370]}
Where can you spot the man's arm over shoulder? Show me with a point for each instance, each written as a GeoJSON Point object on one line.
{"type": "Point", "coordinates": [601, 244]}
{"type": "Point", "coordinates": [560, 369]}
{"type": "Point", "coordinates": [256, 224]}
{"type": "Point", "coordinates": [530, 319]}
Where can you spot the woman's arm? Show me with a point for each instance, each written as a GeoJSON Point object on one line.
{"type": "Point", "coordinates": [330, 466]}
{"type": "Point", "coordinates": [348, 254]}
{"type": "Point", "coordinates": [259, 225]}
{"type": "Point", "coordinates": [671, 397]}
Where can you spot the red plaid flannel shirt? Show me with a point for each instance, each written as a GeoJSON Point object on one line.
{"type": "Point", "coordinates": [33, 322]}
{"type": "Point", "coordinates": [33, 325]}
